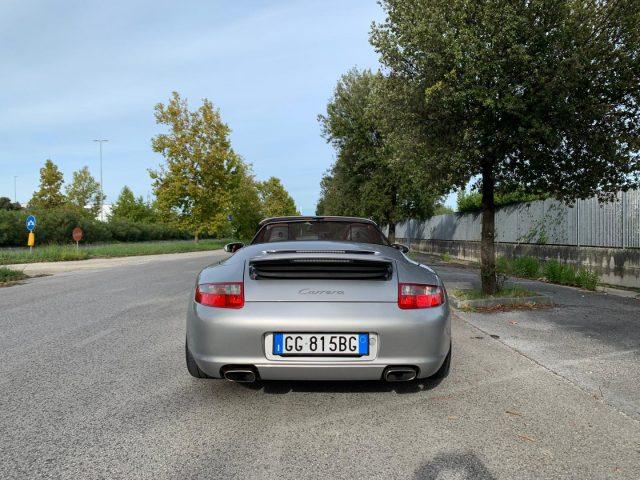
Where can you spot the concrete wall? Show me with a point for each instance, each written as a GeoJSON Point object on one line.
{"type": "Point", "coordinates": [616, 266]}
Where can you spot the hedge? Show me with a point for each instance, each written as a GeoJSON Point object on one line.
{"type": "Point", "coordinates": [55, 226]}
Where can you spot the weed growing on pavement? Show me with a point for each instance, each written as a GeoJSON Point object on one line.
{"type": "Point", "coordinates": [9, 275]}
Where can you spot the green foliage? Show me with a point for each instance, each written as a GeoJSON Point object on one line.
{"type": "Point", "coordinates": [84, 191]}
{"type": "Point", "coordinates": [194, 188]}
{"type": "Point", "coordinates": [441, 209]}
{"type": "Point", "coordinates": [128, 207]}
{"type": "Point", "coordinates": [505, 292]}
{"type": "Point", "coordinates": [527, 267]}
{"type": "Point", "coordinates": [58, 253]}
{"type": "Point", "coordinates": [369, 178]}
{"type": "Point", "coordinates": [275, 200]}
{"type": "Point", "coordinates": [55, 226]}
{"type": "Point", "coordinates": [557, 272]}
{"type": "Point", "coordinates": [587, 279]}
{"type": "Point", "coordinates": [472, 201]}
{"type": "Point", "coordinates": [246, 209]}
{"type": "Point", "coordinates": [49, 195]}
{"type": "Point", "coordinates": [7, 204]}
{"type": "Point", "coordinates": [540, 96]}
{"type": "Point", "coordinates": [9, 275]}
{"type": "Point", "coordinates": [553, 271]}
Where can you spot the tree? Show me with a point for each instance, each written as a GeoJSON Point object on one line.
{"type": "Point", "coordinates": [193, 187]}
{"type": "Point", "coordinates": [369, 177]}
{"type": "Point", "coordinates": [540, 95]}
{"type": "Point", "coordinates": [84, 191]}
{"type": "Point", "coordinates": [7, 204]}
{"type": "Point", "coordinates": [275, 200]}
{"type": "Point", "coordinates": [128, 207]}
{"type": "Point", "coordinates": [50, 193]}
{"type": "Point", "coordinates": [246, 209]}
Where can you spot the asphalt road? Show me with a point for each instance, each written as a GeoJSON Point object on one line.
{"type": "Point", "coordinates": [93, 385]}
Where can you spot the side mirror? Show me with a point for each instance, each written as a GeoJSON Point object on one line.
{"type": "Point", "coordinates": [399, 246]}
{"type": "Point", "coordinates": [233, 247]}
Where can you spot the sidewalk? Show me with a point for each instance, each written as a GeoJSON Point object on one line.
{"type": "Point", "coordinates": [48, 268]}
{"type": "Point", "coordinates": [591, 339]}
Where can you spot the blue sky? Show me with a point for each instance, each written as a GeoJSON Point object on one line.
{"type": "Point", "coordinates": [77, 70]}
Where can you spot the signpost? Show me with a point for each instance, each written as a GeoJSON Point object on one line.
{"type": "Point", "coordinates": [77, 236]}
{"type": "Point", "coordinates": [31, 226]}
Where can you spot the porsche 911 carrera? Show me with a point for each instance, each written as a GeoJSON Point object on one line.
{"type": "Point", "coordinates": [318, 298]}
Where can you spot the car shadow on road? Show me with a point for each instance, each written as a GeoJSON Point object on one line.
{"type": "Point", "coordinates": [283, 387]}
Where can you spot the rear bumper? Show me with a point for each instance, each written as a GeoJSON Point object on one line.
{"type": "Point", "coordinates": [220, 337]}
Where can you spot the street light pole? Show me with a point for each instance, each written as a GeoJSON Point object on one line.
{"type": "Point", "coordinates": [100, 142]}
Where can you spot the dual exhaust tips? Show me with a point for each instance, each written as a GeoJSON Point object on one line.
{"type": "Point", "coordinates": [249, 374]}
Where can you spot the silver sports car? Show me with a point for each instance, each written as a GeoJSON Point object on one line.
{"type": "Point", "coordinates": [318, 298]}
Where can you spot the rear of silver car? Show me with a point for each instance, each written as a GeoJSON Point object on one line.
{"type": "Point", "coordinates": [346, 306]}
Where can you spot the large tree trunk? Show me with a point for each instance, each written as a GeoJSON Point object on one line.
{"type": "Point", "coordinates": [487, 245]}
{"type": "Point", "coordinates": [392, 232]}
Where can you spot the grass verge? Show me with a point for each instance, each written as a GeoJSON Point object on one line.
{"type": "Point", "coordinates": [59, 253]}
{"type": "Point", "coordinates": [506, 292]}
{"type": "Point", "coordinates": [8, 276]}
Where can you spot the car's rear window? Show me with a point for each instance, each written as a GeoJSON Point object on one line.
{"type": "Point", "coordinates": [332, 231]}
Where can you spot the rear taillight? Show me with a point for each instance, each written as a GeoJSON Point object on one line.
{"type": "Point", "coordinates": [414, 295]}
{"type": "Point", "coordinates": [221, 295]}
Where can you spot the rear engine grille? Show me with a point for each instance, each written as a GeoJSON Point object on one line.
{"type": "Point", "coordinates": [307, 252]}
{"type": "Point", "coordinates": [327, 268]}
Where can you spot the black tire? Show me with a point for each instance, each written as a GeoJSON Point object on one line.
{"type": "Point", "coordinates": [192, 366]}
{"type": "Point", "coordinates": [443, 371]}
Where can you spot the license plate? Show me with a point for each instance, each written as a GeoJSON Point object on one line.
{"type": "Point", "coordinates": [355, 344]}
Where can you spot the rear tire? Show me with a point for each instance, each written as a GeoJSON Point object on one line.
{"type": "Point", "coordinates": [443, 371]}
{"type": "Point", "coordinates": [192, 366]}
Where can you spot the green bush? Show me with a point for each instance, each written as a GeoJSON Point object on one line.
{"type": "Point", "coordinates": [503, 265]}
{"type": "Point", "coordinates": [587, 279]}
{"type": "Point", "coordinates": [55, 227]}
{"type": "Point", "coordinates": [528, 267]}
{"type": "Point", "coordinates": [556, 272]}
{"type": "Point", "coordinates": [553, 271]}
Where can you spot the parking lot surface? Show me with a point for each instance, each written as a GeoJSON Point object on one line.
{"type": "Point", "coordinates": [94, 386]}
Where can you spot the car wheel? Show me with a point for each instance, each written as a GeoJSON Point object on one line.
{"type": "Point", "coordinates": [192, 366]}
{"type": "Point", "coordinates": [443, 372]}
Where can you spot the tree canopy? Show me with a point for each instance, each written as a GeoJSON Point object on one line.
{"type": "Point", "coordinates": [275, 200]}
{"type": "Point", "coordinates": [204, 186]}
{"type": "Point", "coordinates": [192, 187]}
{"type": "Point", "coordinates": [7, 204]}
{"type": "Point", "coordinates": [84, 191]}
{"type": "Point", "coordinates": [541, 96]}
{"type": "Point", "coordinates": [49, 195]}
{"type": "Point", "coordinates": [128, 207]}
{"type": "Point", "coordinates": [369, 177]}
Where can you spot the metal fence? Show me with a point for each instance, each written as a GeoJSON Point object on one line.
{"type": "Point", "coordinates": [587, 222]}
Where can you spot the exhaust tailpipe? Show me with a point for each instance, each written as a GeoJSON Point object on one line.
{"type": "Point", "coordinates": [240, 375]}
{"type": "Point", "coordinates": [400, 374]}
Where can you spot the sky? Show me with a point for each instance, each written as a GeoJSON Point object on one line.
{"type": "Point", "coordinates": [75, 71]}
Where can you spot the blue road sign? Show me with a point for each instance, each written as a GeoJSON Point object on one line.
{"type": "Point", "coordinates": [229, 217]}
{"type": "Point", "coordinates": [31, 223]}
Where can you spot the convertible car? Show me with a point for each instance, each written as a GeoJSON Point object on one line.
{"type": "Point", "coordinates": [318, 298]}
